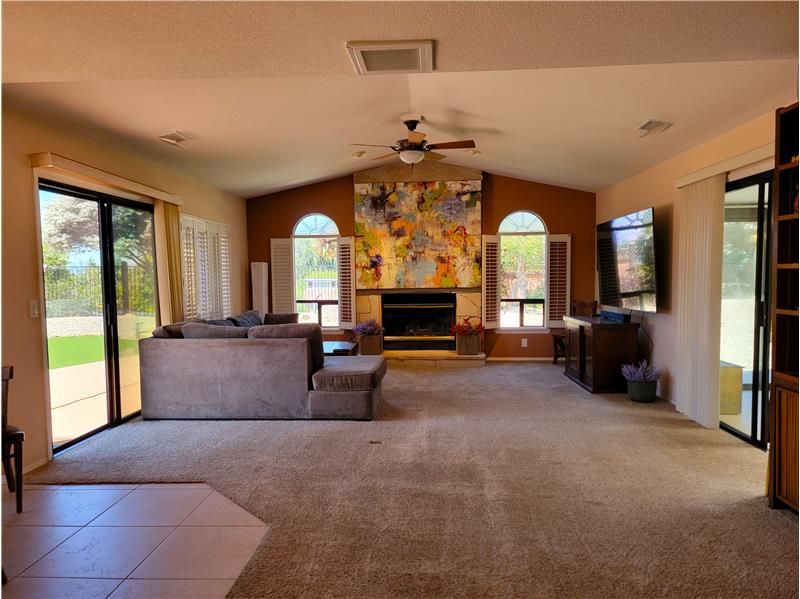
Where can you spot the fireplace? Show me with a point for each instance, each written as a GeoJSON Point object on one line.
{"type": "Point", "coordinates": [418, 320]}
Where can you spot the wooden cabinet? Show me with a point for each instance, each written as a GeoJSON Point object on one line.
{"type": "Point", "coordinates": [784, 438]}
{"type": "Point", "coordinates": [783, 408]}
{"type": "Point", "coordinates": [597, 349]}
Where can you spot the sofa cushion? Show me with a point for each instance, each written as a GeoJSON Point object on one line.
{"type": "Point", "coordinates": [287, 318]}
{"type": "Point", "coordinates": [220, 322]}
{"type": "Point", "coordinates": [350, 373]}
{"type": "Point", "coordinates": [197, 330]}
{"type": "Point", "coordinates": [174, 330]}
{"type": "Point", "coordinates": [251, 318]}
{"type": "Point", "coordinates": [312, 332]}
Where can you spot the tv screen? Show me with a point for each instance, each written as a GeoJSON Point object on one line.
{"type": "Point", "coordinates": [626, 261]}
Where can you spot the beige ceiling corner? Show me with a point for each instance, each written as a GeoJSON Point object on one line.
{"type": "Point", "coordinates": [424, 171]}
{"type": "Point", "coordinates": [60, 167]}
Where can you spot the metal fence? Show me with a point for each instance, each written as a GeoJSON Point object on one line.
{"type": "Point", "coordinates": [78, 290]}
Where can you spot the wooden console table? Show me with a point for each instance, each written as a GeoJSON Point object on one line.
{"type": "Point", "coordinates": [596, 350]}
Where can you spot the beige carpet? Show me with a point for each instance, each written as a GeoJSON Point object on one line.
{"type": "Point", "coordinates": [507, 481]}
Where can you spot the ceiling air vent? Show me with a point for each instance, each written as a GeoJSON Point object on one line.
{"type": "Point", "coordinates": [652, 126]}
{"type": "Point", "coordinates": [371, 58]}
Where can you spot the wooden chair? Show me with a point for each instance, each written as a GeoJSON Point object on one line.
{"type": "Point", "coordinates": [12, 439]}
{"type": "Point", "coordinates": [559, 336]}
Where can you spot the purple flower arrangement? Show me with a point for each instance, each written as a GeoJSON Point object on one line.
{"type": "Point", "coordinates": [642, 373]}
{"type": "Point", "coordinates": [369, 328]}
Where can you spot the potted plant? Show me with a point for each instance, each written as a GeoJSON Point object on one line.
{"type": "Point", "coordinates": [370, 337]}
{"type": "Point", "coordinates": [642, 381]}
{"type": "Point", "coordinates": [468, 336]}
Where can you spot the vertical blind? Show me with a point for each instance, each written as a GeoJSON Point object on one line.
{"type": "Point", "coordinates": [206, 268]}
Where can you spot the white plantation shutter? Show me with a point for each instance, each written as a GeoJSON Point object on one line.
{"type": "Point", "coordinates": [347, 282]}
{"type": "Point", "coordinates": [490, 281]}
{"type": "Point", "coordinates": [224, 237]}
{"type": "Point", "coordinates": [206, 268]}
{"type": "Point", "coordinates": [189, 268]}
{"type": "Point", "coordinates": [282, 275]}
{"type": "Point", "coordinates": [558, 279]}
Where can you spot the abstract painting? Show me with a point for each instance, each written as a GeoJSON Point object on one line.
{"type": "Point", "coordinates": [418, 234]}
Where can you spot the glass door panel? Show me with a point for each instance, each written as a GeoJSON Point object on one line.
{"type": "Point", "coordinates": [744, 340]}
{"type": "Point", "coordinates": [135, 295]}
{"type": "Point", "coordinates": [76, 332]}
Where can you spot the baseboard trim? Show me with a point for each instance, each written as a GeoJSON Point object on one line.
{"type": "Point", "coordinates": [513, 359]}
{"type": "Point", "coordinates": [34, 466]}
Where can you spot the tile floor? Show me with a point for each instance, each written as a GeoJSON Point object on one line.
{"type": "Point", "coordinates": [182, 541]}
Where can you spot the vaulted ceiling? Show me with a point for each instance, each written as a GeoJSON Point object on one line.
{"type": "Point", "coordinates": [551, 92]}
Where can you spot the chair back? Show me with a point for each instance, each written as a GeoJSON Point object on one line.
{"type": "Point", "coordinates": [580, 308]}
{"type": "Point", "coordinates": [8, 374]}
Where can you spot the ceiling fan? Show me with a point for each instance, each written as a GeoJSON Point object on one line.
{"type": "Point", "coordinates": [414, 148]}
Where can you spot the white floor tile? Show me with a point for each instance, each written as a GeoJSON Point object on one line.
{"type": "Point", "coordinates": [23, 545]}
{"type": "Point", "coordinates": [198, 552]}
{"type": "Point", "coordinates": [173, 589]}
{"type": "Point", "coordinates": [98, 552]}
{"type": "Point", "coordinates": [58, 588]}
{"type": "Point", "coordinates": [218, 510]}
{"type": "Point", "coordinates": [66, 508]}
{"type": "Point", "coordinates": [153, 507]}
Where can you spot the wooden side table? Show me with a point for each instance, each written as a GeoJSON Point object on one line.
{"type": "Point", "coordinates": [339, 348]}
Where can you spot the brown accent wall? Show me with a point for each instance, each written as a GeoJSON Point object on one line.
{"type": "Point", "coordinates": [563, 211]}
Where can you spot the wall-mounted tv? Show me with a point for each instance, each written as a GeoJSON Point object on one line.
{"type": "Point", "coordinates": [626, 261]}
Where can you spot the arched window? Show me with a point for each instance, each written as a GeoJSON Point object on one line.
{"type": "Point", "coordinates": [523, 270]}
{"type": "Point", "coordinates": [314, 244]}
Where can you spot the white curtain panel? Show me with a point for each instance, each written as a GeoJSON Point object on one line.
{"type": "Point", "coordinates": [699, 214]}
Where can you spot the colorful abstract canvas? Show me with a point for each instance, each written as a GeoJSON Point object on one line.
{"type": "Point", "coordinates": [418, 234]}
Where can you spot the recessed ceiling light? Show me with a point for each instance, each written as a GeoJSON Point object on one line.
{"type": "Point", "coordinates": [358, 153]}
{"type": "Point", "coordinates": [473, 152]}
{"type": "Point", "coordinates": [176, 138]}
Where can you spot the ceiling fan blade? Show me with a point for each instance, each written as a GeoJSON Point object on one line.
{"type": "Point", "coordinates": [415, 137]}
{"type": "Point", "coordinates": [452, 145]}
{"type": "Point", "coordinates": [372, 145]}
{"type": "Point", "coordinates": [384, 156]}
{"type": "Point", "coordinates": [434, 156]}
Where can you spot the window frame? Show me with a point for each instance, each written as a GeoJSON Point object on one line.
{"type": "Point", "coordinates": [323, 302]}
{"type": "Point", "coordinates": [521, 326]}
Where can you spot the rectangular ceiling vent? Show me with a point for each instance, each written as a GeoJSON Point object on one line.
{"type": "Point", "coordinates": [653, 126]}
{"type": "Point", "coordinates": [380, 58]}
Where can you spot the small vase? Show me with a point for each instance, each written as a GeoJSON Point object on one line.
{"type": "Point", "coordinates": [370, 345]}
{"type": "Point", "coordinates": [642, 391]}
{"type": "Point", "coordinates": [468, 345]}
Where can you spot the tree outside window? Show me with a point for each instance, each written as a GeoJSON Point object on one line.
{"type": "Point", "coordinates": [315, 244]}
{"type": "Point", "coordinates": [523, 278]}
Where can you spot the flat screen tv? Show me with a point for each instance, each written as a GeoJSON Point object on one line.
{"type": "Point", "coordinates": [626, 261]}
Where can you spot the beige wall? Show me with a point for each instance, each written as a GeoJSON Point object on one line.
{"type": "Point", "coordinates": [656, 187]}
{"type": "Point", "coordinates": [22, 336]}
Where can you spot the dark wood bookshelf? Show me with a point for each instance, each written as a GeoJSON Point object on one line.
{"type": "Point", "coordinates": [783, 401]}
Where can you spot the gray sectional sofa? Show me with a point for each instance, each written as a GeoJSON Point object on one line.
{"type": "Point", "coordinates": [254, 372]}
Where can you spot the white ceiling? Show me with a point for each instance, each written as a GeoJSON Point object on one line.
{"type": "Point", "coordinates": [267, 95]}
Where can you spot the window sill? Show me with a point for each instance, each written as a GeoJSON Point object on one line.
{"type": "Point", "coordinates": [518, 330]}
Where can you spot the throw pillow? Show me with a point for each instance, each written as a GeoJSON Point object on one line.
{"type": "Point", "coordinates": [251, 318]}
{"type": "Point", "coordinates": [196, 330]}
{"type": "Point", "coordinates": [277, 318]}
{"type": "Point", "coordinates": [312, 332]}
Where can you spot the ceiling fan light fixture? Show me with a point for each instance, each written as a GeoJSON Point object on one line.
{"type": "Point", "coordinates": [411, 156]}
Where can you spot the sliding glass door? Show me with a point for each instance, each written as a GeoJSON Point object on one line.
{"type": "Point", "coordinates": [744, 339]}
{"type": "Point", "coordinates": [100, 298]}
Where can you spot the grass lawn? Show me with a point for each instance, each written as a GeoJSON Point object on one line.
{"type": "Point", "coordinates": [82, 349]}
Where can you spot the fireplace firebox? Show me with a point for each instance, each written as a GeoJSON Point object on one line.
{"type": "Point", "coordinates": [418, 320]}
